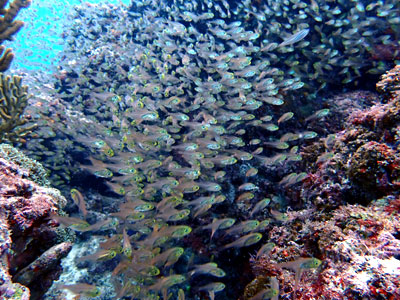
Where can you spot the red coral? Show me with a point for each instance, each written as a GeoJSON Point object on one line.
{"type": "Point", "coordinates": [24, 207]}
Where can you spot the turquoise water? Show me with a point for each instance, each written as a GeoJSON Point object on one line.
{"type": "Point", "coordinates": [39, 43]}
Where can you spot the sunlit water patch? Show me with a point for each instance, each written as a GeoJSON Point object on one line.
{"type": "Point", "coordinates": [40, 42]}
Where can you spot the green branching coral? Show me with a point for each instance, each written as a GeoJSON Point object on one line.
{"type": "Point", "coordinates": [8, 27]}
{"type": "Point", "coordinates": [13, 101]}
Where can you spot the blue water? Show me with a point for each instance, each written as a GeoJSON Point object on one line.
{"type": "Point", "coordinates": [38, 44]}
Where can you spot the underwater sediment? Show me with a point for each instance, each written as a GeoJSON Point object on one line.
{"type": "Point", "coordinates": [203, 157]}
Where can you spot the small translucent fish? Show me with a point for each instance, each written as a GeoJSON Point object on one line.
{"type": "Point", "coordinates": [299, 266]}
{"type": "Point", "coordinates": [106, 224]}
{"type": "Point", "coordinates": [263, 225]}
{"type": "Point", "coordinates": [173, 215]}
{"type": "Point", "coordinates": [292, 179]}
{"type": "Point", "coordinates": [142, 207]}
{"type": "Point", "coordinates": [297, 85]}
{"type": "Point", "coordinates": [243, 227]}
{"type": "Point", "coordinates": [278, 145]}
{"type": "Point", "coordinates": [290, 136]}
{"type": "Point", "coordinates": [212, 288]}
{"type": "Point", "coordinates": [265, 250]}
{"type": "Point", "coordinates": [277, 215]}
{"type": "Point", "coordinates": [318, 114]}
{"type": "Point", "coordinates": [267, 293]}
{"type": "Point", "coordinates": [260, 206]}
{"type": "Point", "coordinates": [103, 173]}
{"type": "Point", "coordinates": [107, 151]}
{"type": "Point", "coordinates": [248, 187]}
{"type": "Point", "coordinates": [181, 231]}
{"type": "Point", "coordinates": [210, 186]}
{"type": "Point", "coordinates": [101, 255]}
{"type": "Point", "coordinates": [209, 269]}
{"type": "Point", "coordinates": [147, 270]}
{"type": "Point", "coordinates": [245, 197]}
{"type": "Point", "coordinates": [78, 199]}
{"type": "Point", "coordinates": [87, 290]}
{"type": "Point", "coordinates": [188, 187]}
{"type": "Point", "coordinates": [127, 171]}
{"type": "Point", "coordinates": [127, 289]}
{"type": "Point", "coordinates": [116, 188]}
{"type": "Point", "coordinates": [219, 199]}
{"type": "Point", "coordinates": [258, 151]}
{"type": "Point", "coordinates": [219, 175]}
{"type": "Point", "coordinates": [298, 36]}
{"type": "Point", "coordinates": [251, 172]}
{"type": "Point", "coordinates": [73, 223]}
{"type": "Point", "coordinates": [181, 295]}
{"type": "Point", "coordinates": [270, 127]}
{"type": "Point", "coordinates": [294, 157]}
{"type": "Point", "coordinates": [168, 257]}
{"type": "Point", "coordinates": [164, 283]}
{"type": "Point", "coordinates": [245, 241]}
{"type": "Point", "coordinates": [275, 285]}
{"type": "Point", "coordinates": [219, 224]}
{"type": "Point", "coordinates": [325, 157]}
{"type": "Point", "coordinates": [255, 142]}
{"type": "Point", "coordinates": [285, 117]}
{"type": "Point", "coordinates": [126, 245]}
{"type": "Point", "coordinates": [240, 132]}
{"type": "Point", "coordinates": [241, 155]}
{"type": "Point", "coordinates": [266, 118]}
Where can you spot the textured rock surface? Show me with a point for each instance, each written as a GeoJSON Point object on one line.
{"type": "Point", "coordinates": [28, 243]}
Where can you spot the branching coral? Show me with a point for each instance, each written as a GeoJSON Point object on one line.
{"type": "Point", "coordinates": [13, 101]}
{"type": "Point", "coordinates": [8, 27]}
{"type": "Point", "coordinates": [6, 57]}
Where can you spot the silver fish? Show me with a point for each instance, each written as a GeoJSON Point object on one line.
{"type": "Point", "coordinates": [298, 36]}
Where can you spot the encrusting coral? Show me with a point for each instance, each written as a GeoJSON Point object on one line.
{"type": "Point", "coordinates": [33, 168]}
{"type": "Point", "coordinates": [13, 101]}
{"type": "Point", "coordinates": [352, 218]}
{"type": "Point", "coordinates": [31, 247]}
{"type": "Point", "coordinates": [390, 83]}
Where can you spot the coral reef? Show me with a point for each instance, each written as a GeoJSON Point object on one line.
{"type": "Point", "coordinates": [9, 27]}
{"type": "Point", "coordinates": [13, 101]}
{"type": "Point", "coordinates": [358, 247]}
{"type": "Point", "coordinates": [31, 167]}
{"type": "Point", "coordinates": [29, 251]}
{"type": "Point", "coordinates": [390, 83]}
{"type": "Point", "coordinates": [362, 155]}
{"type": "Point", "coordinates": [358, 243]}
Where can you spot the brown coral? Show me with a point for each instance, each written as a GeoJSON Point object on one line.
{"type": "Point", "coordinates": [9, 27]}
{"type": "Point", "coordinates": [13, 101]}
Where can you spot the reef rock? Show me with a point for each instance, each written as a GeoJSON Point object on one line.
{"type": "Point", "coordinates": [30, 249]}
